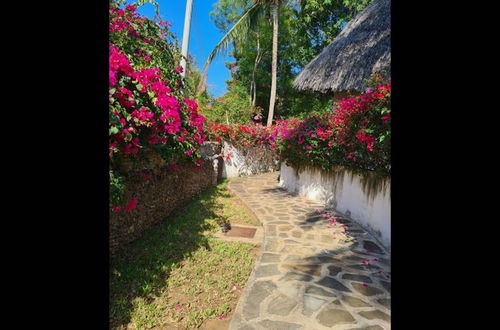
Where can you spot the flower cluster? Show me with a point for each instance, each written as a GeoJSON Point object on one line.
{"type": "Point", "coordinates": [147, 112]}
{"type": "Point", "coordinates": [251, 135]}
{"type": "Point", "coordinates": [356, 134]}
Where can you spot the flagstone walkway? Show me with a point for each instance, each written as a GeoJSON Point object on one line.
{"type": "Point", "coordinates": [313, 273]}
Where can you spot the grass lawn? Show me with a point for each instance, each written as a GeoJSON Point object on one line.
{"type": "Point", "coordinates": [177, 276]}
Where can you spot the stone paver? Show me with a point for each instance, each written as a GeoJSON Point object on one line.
{"type": "Point", "coordinates": [311, 274]}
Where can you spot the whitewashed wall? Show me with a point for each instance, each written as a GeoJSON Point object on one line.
{"type": "Point", "coordinates": [244, 163]}
{"type": "Point", "coordinates": [368, 202]}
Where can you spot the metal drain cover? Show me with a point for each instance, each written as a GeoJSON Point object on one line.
{"type": "Point", "coordinates": [241, 232]}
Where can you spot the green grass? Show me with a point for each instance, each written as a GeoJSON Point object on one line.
{"type": "Point", "coordinates": [179, 263]}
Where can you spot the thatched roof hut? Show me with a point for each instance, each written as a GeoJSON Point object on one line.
{"type": "Point", "coordinates": [363, 46]}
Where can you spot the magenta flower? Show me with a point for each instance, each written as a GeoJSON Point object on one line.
{"type": "Point", "coordinates": [112, 78]}
{"type": "Point", "coordinates": [178, 307]}
{"type": "Point", "coordinates": [116, 208]}
{"type": "Point", "coordinates": [131, 205]}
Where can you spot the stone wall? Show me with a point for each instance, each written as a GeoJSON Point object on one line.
{"type": "Point", "coordinates": [158, 196]}
{"type": "Point", "coordinates": [247, 161]}
{"type": "Point", "coordinates": [366, 199]}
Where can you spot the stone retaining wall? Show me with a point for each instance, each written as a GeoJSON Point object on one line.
{"type": "Point", "coordinates": [364, 198]}
{"type": "Point", "coordinates": [158, 195]}
{"type": "Point", "coordinates": [247, 161]}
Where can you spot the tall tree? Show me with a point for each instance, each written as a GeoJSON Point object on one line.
{"type": "Point", "coordinates": [305, 28]}
{"type": "Point", "coordinates": [272, 99]}
{"type": "Point", "coordinates": [240, 30]}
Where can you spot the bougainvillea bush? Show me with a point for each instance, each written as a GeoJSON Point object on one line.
{"type": "Point", "coordinates": [147, 113]}
{"type": "Point", "coordinates": [257, 143]}
{"type": "Point", "coordinates": [250, 135]}
{"type": "Point", "coordinates": [356, 134]}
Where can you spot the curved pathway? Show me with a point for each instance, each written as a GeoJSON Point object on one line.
{"type": "Point", "coordinates": [313, 273]}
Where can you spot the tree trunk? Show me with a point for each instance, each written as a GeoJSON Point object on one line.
{"type": "Point", "coordinates": [272, 99]}
{"type": "Point", "coordinates": [254, 85]}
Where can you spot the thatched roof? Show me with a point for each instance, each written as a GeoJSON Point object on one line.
{"type": "Point", "coordinates": [363, 46]}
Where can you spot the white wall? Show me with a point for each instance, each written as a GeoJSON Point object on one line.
{"type": "Point", "coordinates": [248, 163]}
{"type": "Point", "coordinates": [368, 202]}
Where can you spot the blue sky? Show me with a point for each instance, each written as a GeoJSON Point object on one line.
{"type": "Point", "coordinates": [203, 37]}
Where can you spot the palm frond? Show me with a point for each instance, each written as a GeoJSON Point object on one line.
{"type": "Point", "coordinates": [237, 33]}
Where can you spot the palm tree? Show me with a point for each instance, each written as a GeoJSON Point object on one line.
{"type": "Point", "coordinates": [240, 31]}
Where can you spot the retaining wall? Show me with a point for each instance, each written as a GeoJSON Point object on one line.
{"type": "Point", "coordinates": [159, 192]}
{"type": "Point", "coordinates": [247, 161]}
{"type": "Point", "coordinates": [365, 198]}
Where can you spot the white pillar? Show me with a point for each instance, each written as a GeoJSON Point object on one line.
{"type": "Point", "coordinates": [185, 36]}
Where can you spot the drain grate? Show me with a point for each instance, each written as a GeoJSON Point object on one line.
{"type": "Point", "coordinates": [241, 232]}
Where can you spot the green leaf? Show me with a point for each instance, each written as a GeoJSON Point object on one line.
{"type": "Point", "coordinates": [113, 130]}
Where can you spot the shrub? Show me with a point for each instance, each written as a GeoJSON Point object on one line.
{"type": "Point", "coordinates": [147, 112]}
{"type": "Point", "coordinates": [356, 134]}
{"type": "Point", "coordinates": [234, 107]}
{"type": "Point", "coordinates": [250, 135]}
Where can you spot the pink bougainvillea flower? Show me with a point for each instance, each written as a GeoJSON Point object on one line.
{"type": "Point", "coordinates": [131, 8]}
{"type": "Point", "coordinates": [178, 307]}
{"type": "Point", "coordinates": [308, 147]}
{"type": "Point", "coordinates": [165, 23]}
{"type": "Point", "coordinates": [386, 117]}
{"type": "Point", "coordinates": [131, 205]}
{"type": "Point", "coordinates": [116, 208]}
{"type": "Point", "coordinates": [112, 78]}
{"type": "Point", "coordinates": [173, 166]}
{"type": "Point", "coordinates": [179, 69]}
{"type": "Point", "coordinates": [189, 152]}
{"type": "Point", "coordinates": [180, 138]}
{"type": "Point", "coordinates": [363, 262]}
{"type": "Point", "coordinates": [222, 316]}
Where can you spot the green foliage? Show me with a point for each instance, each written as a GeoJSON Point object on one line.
{"type": "Point", "coordinates": [305, 28]}
{"type": "Point", "coordinates": [234, 107]}
{"type": "Point", "coordinates": [116, 188]}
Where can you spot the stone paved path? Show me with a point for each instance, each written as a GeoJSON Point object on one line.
{"type": "Point", "coordinates": [305, 278]}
